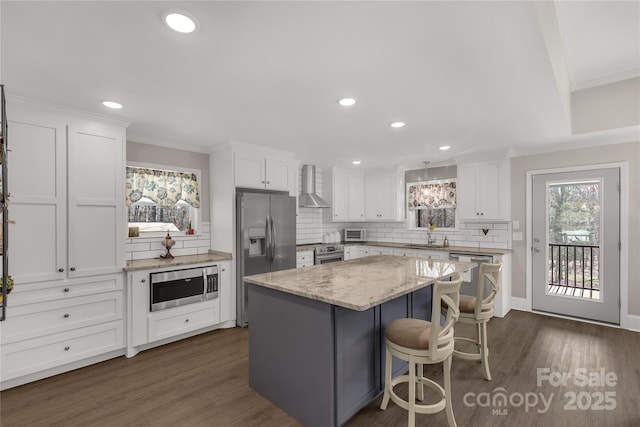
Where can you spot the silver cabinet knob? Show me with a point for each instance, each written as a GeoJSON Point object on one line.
{"type": "Point", "coordinates": [66, 289]}
{"type": "Point", "coordinates": [60, 270]}
{"type": "Point", "coordinates": [66, 315]}
{"type": "Point", "coordinates": [67, 348]}
{"type": "Point", "coordinates": [536, 249]}
{"type": "Point", "coordinates": [143, 280]}
{"type": "Point", "coordinates": [73, 269]}
{"type": "Point", "coordinates": [186, 320]}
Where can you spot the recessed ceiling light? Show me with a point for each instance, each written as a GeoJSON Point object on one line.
{"type": "Point", "coordinates": [347, 102]}
{"type": "Point", "coordinates": [444, 147]}
{"type": "Point", "coordinates": [397, 124]}
{"type": "Point", "coordinates": [112, 104]}
{"type": "Point", "coordinates": [356, 162]}
{"type": "Point", "coordinates": [180, 22]}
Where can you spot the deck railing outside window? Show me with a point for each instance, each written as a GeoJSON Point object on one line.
{"type": "Point", "coordinates": [575, 267]}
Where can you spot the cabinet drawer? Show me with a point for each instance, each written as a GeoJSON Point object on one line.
{"type": "Point", "coordinates": [48, 291]}
{"type": "Point", "coordinates": [304, 259]}
{"type": "Point", "coordinates": [433, 255]}
{"type": "Point", "coordinates": [171, 322]}
{"type": "Point", "coordinates": [35, 355]}
{"type": "Point", "coordinates": [404, 252]}
{"type": "Point", "coordinates": [33, 320]}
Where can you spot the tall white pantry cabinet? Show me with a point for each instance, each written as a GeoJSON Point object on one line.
{"type": "Point", "coordinates": [66, 182]}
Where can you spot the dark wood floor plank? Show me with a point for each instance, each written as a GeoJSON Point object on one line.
{"type": "Point", "coordinates": [203, 381]}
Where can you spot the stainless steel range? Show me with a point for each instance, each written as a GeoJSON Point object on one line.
{"type": "Point", "coordinates": [328, 253]}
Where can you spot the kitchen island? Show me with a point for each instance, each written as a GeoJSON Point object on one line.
{"type": "Point", "coordinates": [316, 346]}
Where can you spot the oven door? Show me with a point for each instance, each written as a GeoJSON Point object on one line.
{"type": "Point", "coordinates": [327, 257]}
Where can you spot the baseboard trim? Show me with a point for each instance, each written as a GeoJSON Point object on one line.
{"type": "Point", "coordinates": [521, 304]}
{"type": "Point", "coordinates": [633, 323]}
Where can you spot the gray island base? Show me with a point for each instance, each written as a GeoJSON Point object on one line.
{"type": "Point", "coordinates": [316, 343]}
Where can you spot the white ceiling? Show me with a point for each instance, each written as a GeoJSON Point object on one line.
{"type": "Point", "coordinates": [472, 75]}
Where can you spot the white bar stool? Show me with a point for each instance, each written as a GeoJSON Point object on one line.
{"type": "Point", "coordinates": [472, 312]}
{"type": "Point", "coordinates": [420, 342]}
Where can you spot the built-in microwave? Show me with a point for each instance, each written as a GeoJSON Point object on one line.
{"type": "Point", "coordinates": [355, 235]}
{"type": "Point", "coordinates": [180, 287]}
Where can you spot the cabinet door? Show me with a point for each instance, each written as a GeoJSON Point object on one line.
{"type": "Point", "coordinates": [387, 197]}
{"type": "Point", "coordinates": [339, 196]}
{"type": "Point", "coordinates": [371, 197]}
{"type": "Point", "coordinates": [355, 194]}
{"type": "Point", "coordinates": [96, 200]}
{"type": "Point", "coordinates": [466, 191]}
{"type": "Point", "coordinates": [380, 197]}
{"type": "Point", "coordinates": [277, 174]}
{"type": "Point", "coordinates": [227, 293]}
{"type": "Point", "coordinates": [38, 239]}
{"type": "Point", "coordinates": [249, 171]}
{"type": "Point", "coordinates": [138, 294]}
{"type": "Point", "coordinates": [490, 191]}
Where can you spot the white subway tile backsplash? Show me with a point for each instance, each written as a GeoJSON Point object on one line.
{"type": "Point", "coordinates": [151, 247]}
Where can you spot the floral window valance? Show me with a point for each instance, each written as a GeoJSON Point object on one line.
{"type": "Point", "coordinates": [432, 195]}
{"type": "Point", "coordinates": [164, 187]}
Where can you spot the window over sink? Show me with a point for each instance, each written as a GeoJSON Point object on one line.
{"type": "Point", "coordinates": [162, 199]}
{"type": "Point", "coordinates": [431, 204]}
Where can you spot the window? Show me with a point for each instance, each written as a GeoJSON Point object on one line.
{"type": "Point", "coordinates": [161, 198]}
{"type": "Point", "coordinates": [431, 203]}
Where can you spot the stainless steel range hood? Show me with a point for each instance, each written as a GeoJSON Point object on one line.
{"type": "Point", "coordinates": [308, 197]}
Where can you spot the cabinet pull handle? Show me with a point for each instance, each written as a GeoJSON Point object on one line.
{"type": "Point", "coordinates": [66, 315]}
{"type": "Point", "coordinates": [60, 270]}
{"type": "Point", "coordinates": [143, 280]}
{"type": "Point", "coordinates": [66, 289]}
{"type": "Point", "coordinates": [73, 269]}
{"type": "Point", "coordinates": [67, 348]}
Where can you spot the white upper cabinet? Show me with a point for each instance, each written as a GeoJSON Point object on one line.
{"type": "Point", "coordinates": [261, 171]}
{"type": "Point", "coordinates": [344, 191]}
{"type": "Point", "coordinates": [482, 191]}
{"type": "Point", "coordinates": [68, 200]}
{"type": "Point", "coordinates": [381, 197]}
{"type": "Point", "coordinates": [355, 198]}
{"type": "Point", "coordinates": [95, 199]}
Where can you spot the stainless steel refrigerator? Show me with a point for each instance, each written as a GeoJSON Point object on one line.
{"type": "Point", "coordinates": [265, 239]}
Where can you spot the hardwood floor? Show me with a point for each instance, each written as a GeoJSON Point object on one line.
{"type": "Point", "coordinates": [203, 381]}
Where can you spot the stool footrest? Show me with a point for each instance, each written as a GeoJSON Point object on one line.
{"type": "Point", "coordinates": [466, 355]}
{"type": "Point", "coordinates": [420, 408]}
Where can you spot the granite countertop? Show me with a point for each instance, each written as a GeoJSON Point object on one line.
{"type": "Point", "coordinates": [362, 283]}
{"type": "Point", "coordinates": [459, 249]}
{"type": "Point", "coordinates": [147, 264]}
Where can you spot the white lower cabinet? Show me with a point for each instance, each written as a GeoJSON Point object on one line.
{"type": "Point", "coordinates": [304, 259]}
{"type": "Point", "coordinates": [53, 324]}
{"type": "Point", "coordinates": [432, 254]}
{"type": "Point", "coordinates": [172, 322]}
{"type": "Point", "coordinates": [51, 351]}
{"type": "Point", "coordinates": [147, 329]}
{"type": "Point", "coordinates": [376, 250]}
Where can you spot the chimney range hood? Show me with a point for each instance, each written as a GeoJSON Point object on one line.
{"type": "Point", "coordinates": [308, 197]}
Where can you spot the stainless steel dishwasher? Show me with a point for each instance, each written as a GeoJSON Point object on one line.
{"type": "Point", "coordinates": [471, 279]}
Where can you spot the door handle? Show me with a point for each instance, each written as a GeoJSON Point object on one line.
{"type": "Point", "coordinates": [273, 240]}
